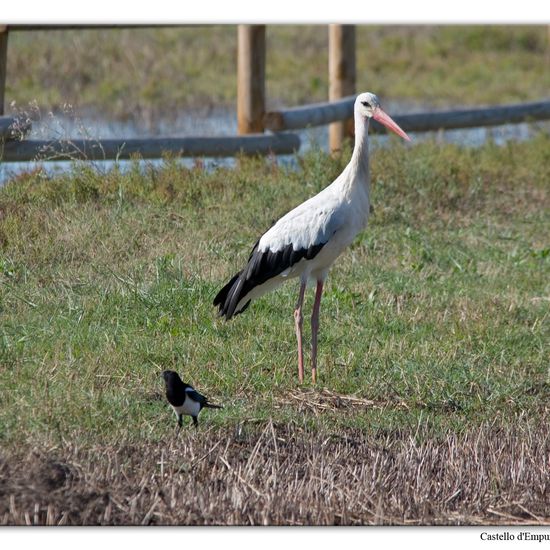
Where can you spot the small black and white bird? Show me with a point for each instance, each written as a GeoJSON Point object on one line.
{"type": "Point", "coordinates": [184, 398]}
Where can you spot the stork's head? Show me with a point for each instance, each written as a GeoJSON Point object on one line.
{"type": "Point", "coordinates": [368, 106]}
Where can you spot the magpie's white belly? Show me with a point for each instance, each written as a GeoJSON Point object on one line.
{"type": "Point", "coordinates": [189, 407]}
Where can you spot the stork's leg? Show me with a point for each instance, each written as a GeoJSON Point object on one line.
{"type": "Point", "coordinates": [298, 322]}
{"type": "Point", "coordinates": [315, 329]}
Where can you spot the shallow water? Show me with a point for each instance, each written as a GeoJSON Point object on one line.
{"type": "Point", "coordinates": [223, 122]}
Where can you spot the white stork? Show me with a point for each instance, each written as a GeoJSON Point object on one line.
{"type": "Point", "coordinates": [305, 242]}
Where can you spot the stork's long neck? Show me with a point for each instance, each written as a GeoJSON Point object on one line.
{"type": "Point", "coordinates": [359, 163]}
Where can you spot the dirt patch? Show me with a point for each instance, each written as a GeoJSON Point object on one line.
{"type": "Point", "coordinates": [286, 475]}
{"type": "Point", "coordinates": [51, 475]}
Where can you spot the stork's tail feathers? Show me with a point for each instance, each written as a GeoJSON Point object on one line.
{"type": "Point", "coordinates": [229, 296]}
{"type": "Point", "coordinates": [212, 406]}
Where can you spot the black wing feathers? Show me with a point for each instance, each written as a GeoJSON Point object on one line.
{"type": "Point", "coordinates": [222, 294]}
{"type": "Point", "coordinates": [201, 399]}
{"type": "Point", "coordinates": [261, 267]}
{"type": "Point", "coordinates": [196, 396]}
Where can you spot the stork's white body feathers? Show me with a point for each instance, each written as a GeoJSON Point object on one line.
{"type": "Point", "coordinates": [334, 216]}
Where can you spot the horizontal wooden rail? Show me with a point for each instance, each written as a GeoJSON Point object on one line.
{"type": "Point", "coordinates": [315, 114]}
{"type": "Point", "coordinates": [12, 128]}
{"type": "Point", "coordinates": [121, 149]}
{"type": "Point", "coordinates": [324, 113]}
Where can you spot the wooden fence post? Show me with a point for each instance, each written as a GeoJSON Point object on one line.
{"type": "Point", "coordinates": [341, 68]}
{"type": "Point", "coordinates": [3, 64]}
{"type": "Point", "coordinates": [251, 79]}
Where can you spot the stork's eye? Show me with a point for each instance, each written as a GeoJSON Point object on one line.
{"type": "Point", "coordinates": [365, 103]}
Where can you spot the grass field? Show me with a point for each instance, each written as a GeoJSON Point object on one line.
{"type": "Point", "coordinates": [433, 346]}
{"type": "Point", "coordinates": [151, 73]}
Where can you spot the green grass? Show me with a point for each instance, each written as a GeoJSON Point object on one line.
{"type": "Point", "coordinates": [438, 312]}
{"type": "Point", "coordinates": [124, 73]}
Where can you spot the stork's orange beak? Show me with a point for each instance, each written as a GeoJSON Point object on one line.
{"type": "Point", "coordinates": [389, 123]}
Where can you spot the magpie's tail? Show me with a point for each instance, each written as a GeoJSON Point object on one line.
{"type": "Point", "coordinates": [212, 406]}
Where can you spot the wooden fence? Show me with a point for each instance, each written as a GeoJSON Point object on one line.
{"type": "Point", "coordinates": [150, 148]}
{"type": "Point", "coordinates": [320, 114]}
{"type": "Point", "coordinates": [252, 117]}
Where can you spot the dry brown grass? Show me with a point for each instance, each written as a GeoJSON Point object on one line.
{"type": "Point", "coordinates": [272, 475]}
